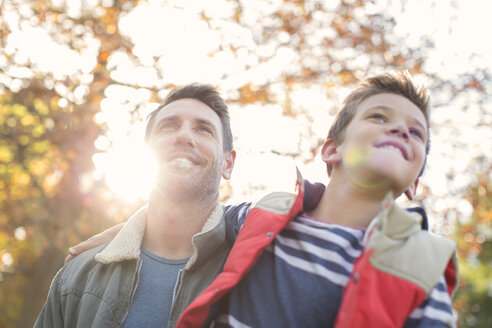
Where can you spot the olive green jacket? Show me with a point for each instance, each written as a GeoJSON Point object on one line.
{"type": "Point", "coordinates": [96, 288]}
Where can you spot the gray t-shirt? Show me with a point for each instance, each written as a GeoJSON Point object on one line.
{"type": "Point", "coordinates": [154, 295]}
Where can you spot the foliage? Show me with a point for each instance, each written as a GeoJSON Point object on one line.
{"type": "Point", "coordinates": [50, 111]}
{"type": "Point", "coordinates": [474, 238]}
{"type": "Point", "coordinates": [46, 148]}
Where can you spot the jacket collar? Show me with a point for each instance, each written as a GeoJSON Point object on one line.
{"type": "Point", "coordinates": [394, 221]}
{"type": "Point", "coordinates": [126, 244]}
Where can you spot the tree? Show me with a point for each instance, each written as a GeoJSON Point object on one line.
{"type": "Point", "coordinates": [46, 145]}
{"type": "Point", "coordinates": [474, 238]}
{"type": "Point", "coordinates": [61, 61]}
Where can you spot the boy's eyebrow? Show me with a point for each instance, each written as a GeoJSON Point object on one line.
{"type": "Point", "coordinates": [386, 108]}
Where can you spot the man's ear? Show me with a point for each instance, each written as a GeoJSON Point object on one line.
{"type": "Point", "coordinates": [329, 152]}
{"type": "Point", "coordinates": [229, 158]}
{"type": "Point", "coordinates": [410, 192]}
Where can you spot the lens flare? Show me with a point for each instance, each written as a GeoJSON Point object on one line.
{"type": "Point", "coordinates": [181, 165]}
{"type": "Point", "coordinates": [355, 157]}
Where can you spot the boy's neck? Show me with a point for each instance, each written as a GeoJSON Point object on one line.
{"type": "Point", "coordinates": [349, 205]}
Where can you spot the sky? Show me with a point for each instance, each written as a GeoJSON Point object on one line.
{"type": "Point", "coordinates": [448, 24]}
{"type": "Point", "coordinates": [185, 48]}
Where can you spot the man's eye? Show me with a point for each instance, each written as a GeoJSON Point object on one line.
{"type": "Point", "coordinates": [167, 126]}
{"type": "Point", "coordinates": [205, 129]}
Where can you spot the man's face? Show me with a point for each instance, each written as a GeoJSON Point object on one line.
{"type": "Point", "coordinates": [187, 139]}
{"type": "Point", "coordinates": [384, 144]}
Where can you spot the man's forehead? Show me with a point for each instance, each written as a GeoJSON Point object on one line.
{"type": "Point", "coordinates": [189, 108]}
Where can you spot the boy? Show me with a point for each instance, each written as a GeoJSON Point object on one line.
{"type": "Point", "coordinates": [356, 259]}
{"type": "Point", "coordinates": [336, 265]}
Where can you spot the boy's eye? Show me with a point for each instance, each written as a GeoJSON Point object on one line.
{"type": "Point", "coordinates": [378, 117]}
{"type": "Point", "coordinates": [417, 133]}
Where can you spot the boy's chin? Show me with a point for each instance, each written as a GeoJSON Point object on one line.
{"type": "Point", "coordinates": [378, 180]}
{"type": "Point", "coordinates": [391, 169]}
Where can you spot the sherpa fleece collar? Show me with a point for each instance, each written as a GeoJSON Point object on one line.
{"type": "Point", "coordinates": [126, 244]}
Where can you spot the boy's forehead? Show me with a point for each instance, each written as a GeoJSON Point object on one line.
{"type": "Point", "coordinates": [394, 103]}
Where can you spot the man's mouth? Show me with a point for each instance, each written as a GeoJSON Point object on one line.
{"type": "Point", "coordinates": [393, 146]}
{"type": "Point", "coordinates": [181, 164]}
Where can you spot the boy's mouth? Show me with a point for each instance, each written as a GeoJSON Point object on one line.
{"type": "Point", "coordinates": [394, 146]}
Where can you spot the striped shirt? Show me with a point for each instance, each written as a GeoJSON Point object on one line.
{"type": "Point", "coordinates": [299, 280]}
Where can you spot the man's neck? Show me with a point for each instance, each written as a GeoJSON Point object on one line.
{"type": "Point", "coordinates": [346, 204]}
{"type": "Point", "coordinates": [171, 225]}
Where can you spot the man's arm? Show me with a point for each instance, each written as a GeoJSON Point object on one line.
{"type": "Point", "coordinates": [94, 241]}
{"type": "Point", "coordinates": [234, 216]}
{"type": "Point", "coordinates": [51, 315]}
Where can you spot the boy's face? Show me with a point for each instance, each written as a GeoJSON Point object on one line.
{"type": "Point", "coordinates": [384, 144]}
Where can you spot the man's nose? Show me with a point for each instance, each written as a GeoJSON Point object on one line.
{"type": "Point", "coordinates": [184, 136]}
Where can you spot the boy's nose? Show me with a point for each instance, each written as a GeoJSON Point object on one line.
{"type": "Point", "coordinates": [401, 131]}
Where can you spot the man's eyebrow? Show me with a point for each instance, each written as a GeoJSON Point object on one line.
{"type": "Point", "coordinates": [386, 108]}
{"type": "Point", "coordinates": [163, 120]}
{"type": "Point", "coordinates": [174, 118]}
{"type": "Point", "coordinates": [168, 118]}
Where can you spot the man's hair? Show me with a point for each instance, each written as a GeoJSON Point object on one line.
{"type": "Point", "coordinates": [399, 83]}
{"type": "Point", "coordinates": [204, 93]}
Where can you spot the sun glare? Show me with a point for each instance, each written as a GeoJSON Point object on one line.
{"type": "Point", "coordinates": [129, 169]}
{"type": "Point", "coordinates": [189, 50]}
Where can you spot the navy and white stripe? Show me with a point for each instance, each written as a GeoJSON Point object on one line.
{"type": "Point", "coordinates": [299, 280]}
{"type": "Point", "coordinates": [434, 311]}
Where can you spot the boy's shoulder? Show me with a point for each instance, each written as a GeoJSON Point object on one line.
{"type": "Point", "coordinates": [402, 248]}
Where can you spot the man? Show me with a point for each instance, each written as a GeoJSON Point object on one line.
{"type": "Point", "coordinates": [176, 242]}
{"type": "Point", "coordinates": [292, 266]}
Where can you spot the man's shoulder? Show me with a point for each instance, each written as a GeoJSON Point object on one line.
{"type": "Point", "coordinates": [84, 259]}
{"type": "Point", "coordinates": [79, 269]}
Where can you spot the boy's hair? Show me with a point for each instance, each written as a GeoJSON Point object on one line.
{"type": "Point", "coordinates": [399, 83]}
{"type": "Point", "coordinates": [204, 93]}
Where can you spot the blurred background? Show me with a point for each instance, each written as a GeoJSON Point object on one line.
{"type": "Point", "coordinates": [78, 77]}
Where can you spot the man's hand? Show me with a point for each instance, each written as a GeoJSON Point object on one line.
{"type": "Point", "coordinates": [96, 240]}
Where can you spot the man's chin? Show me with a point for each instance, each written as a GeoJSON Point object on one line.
{"type": "Point", "coordinates": [175, 189]}
{"type": "Point", "coordinates": [176, 171]}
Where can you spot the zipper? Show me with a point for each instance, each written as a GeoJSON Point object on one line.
{"type": "Point", "coordinates": [178, 284]}
{"type": "Point", "coordinates": [177, 288]}
{"type": "Point", "coordinates": [137, 276]}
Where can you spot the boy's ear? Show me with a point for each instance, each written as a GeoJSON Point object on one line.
{"type": "Point", "coordinates": [329, 152]}
{"type": "Point", "coordinates": [410, 192]}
